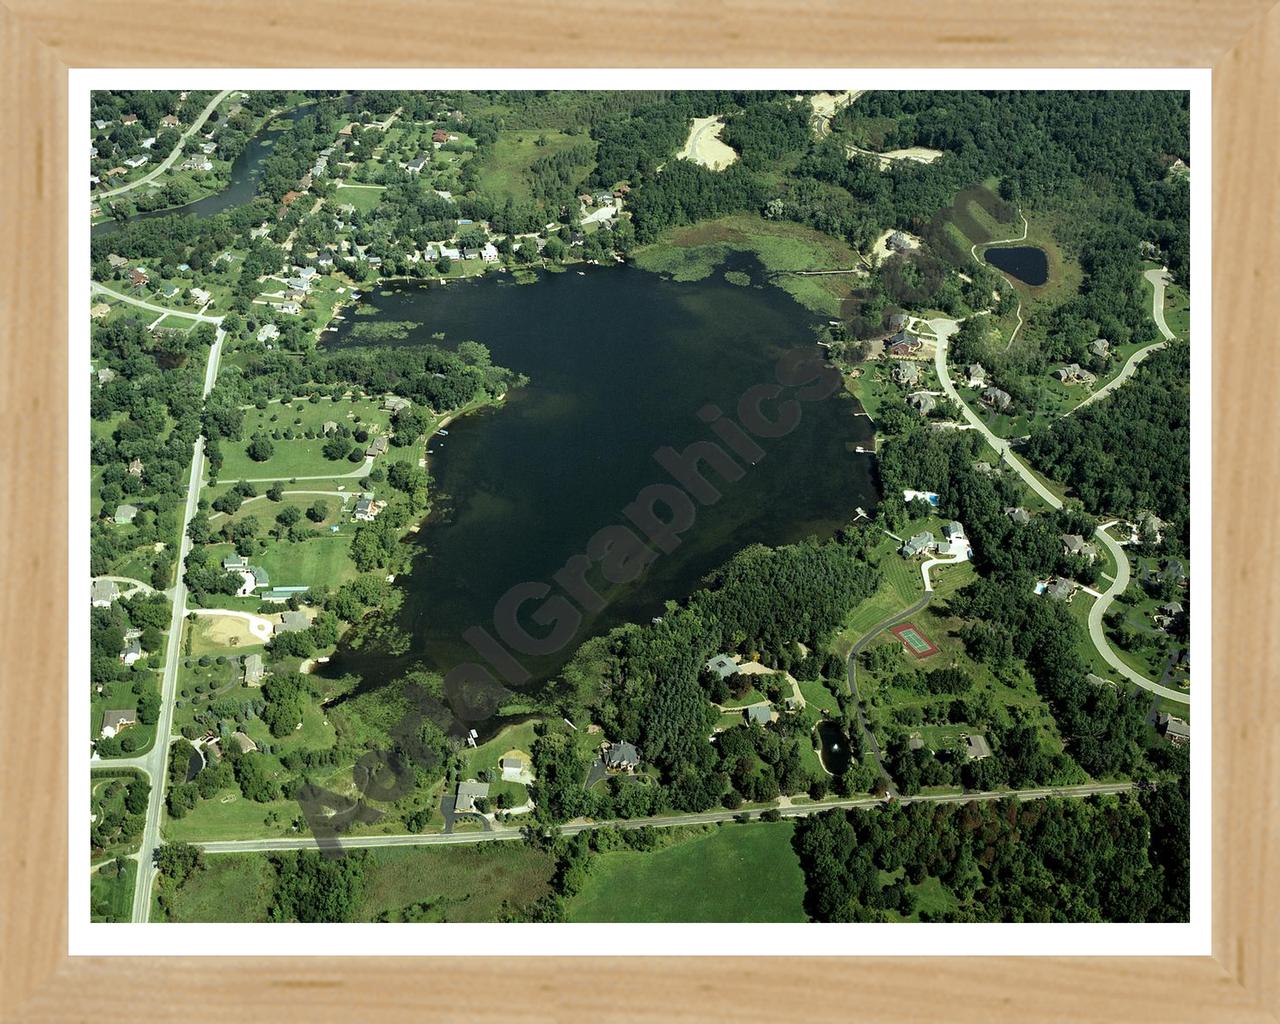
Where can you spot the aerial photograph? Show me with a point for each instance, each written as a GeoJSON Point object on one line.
{"type": "Point", "coordinates": [616, 506]}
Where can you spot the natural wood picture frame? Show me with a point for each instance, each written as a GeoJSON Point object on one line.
{"type": "Point", "coordinates": [40, 41]}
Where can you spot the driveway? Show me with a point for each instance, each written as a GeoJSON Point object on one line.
{"type": "Point", "coordinates": [196, 125]}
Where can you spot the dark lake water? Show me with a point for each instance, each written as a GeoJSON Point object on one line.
{"type": "Point", "coordinates": [1027, 263]}
{"type": "Point", "coordinates": [833, 747]}
{"type": "Point", "coordinates": [620, 361]}
{"type": "Point", "coordinates": [245, 172]}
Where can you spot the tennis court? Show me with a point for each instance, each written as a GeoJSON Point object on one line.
{"type": "Point", "coordinates": [914, 640]}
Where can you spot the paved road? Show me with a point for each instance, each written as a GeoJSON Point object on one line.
{"type": "Point", "coordinates": [196, 125]}
{"type": "Point", "coordinates": [1157, 280]}
{"type": "Point", "coordinates": [708, 818]}
{"type": "Point", "coordinates": [943, 329]}
{"type": "Point", "coordinates": [359, 473]}
{"type": "Point", "coordinates": [154, 762]}
{"type": "Point", "coordinates": [851, 672]}
{"type": "Point", "coordinates": [204, 318]}
{"type": "Point", "coordinates": [1098, 634]}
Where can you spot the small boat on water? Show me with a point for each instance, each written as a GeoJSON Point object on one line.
{"type": "Point", "coordinates": [442, 432]}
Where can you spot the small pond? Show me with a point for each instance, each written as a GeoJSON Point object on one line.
{"type": "Point", "coordinates": [833, 747]}
{"type": "Point", "coordinates": [1027, 263]}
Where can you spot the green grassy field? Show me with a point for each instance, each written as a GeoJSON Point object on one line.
{"type": "Point", "coordinates": [111, 893]}
{"type": "Point", "coordinates": [364, 198]}
{"type": "Point", "coordinates": [233, 887]}
{"type": "Point", "coordinates": [483, 882]}
{"type": "Point", "coordinates": [479, 882]}
{"type": "Point", "coordinates": [505, 171]}
{"type": "Point", "coordinates": [734, 872]}
{"type": "Point", "coordinates": [693, 253]}
{"type": "Point", "coordinates": [299, 456]}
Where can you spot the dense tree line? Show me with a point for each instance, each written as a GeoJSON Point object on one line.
{"type": "Point", "coordinates": [1054, 860]}
{"type": "Point", "coordinates": [1131, 451]}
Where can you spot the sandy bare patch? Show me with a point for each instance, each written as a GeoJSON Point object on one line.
{"type": "Point", "coordinates": [914, 154]}
{"type": "Point", "coordinates": [881, 248]}
{"type": "Point", "coordinates": [825, 105]}
{"type": "Point", "coordinates": [227, 630]}
{"type": "Point", "coordinates": [703, 146]}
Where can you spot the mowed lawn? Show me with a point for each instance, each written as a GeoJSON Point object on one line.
{"type": "Point", "coordinates": [111, 893]}
{"type": "Point", "coordinates": [453, 883]}
{"type": "Point", "coordinates": [735, 873]}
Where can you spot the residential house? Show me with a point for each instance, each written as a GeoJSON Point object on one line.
{"type": "Point", "coordinates": [1019, 515]}
{"type": "Point", "coordinates": [136, 161]}
{"type": "Point", "coordinates": [1060, 589]}
{"type": "Point", "coordinates": [268, 332]}
{"type": "Point", "coordinates": [921, 543]}
{"type": "Point", "coordinates": [897, 321]}
{"type": "Point", "coordinates": [415, 165]}
{"type": "Point", "coordinates": [1075, 545]}
{"type": "Point", "coordinates": [116, 261]}
{"type": "Point", "coordinates": [289, 308]}
{"type": "Point", "coordinates": [906, 373]}
{"type": "Point", "coordinates": [329, 427]}
{"type": "Point", "coordinates": [997, 399]}
{"type": "Point", "coordinates": [129, 119]}
{"type": "Point", "coordinates": [954, 534]}
{"type": "Point", "coordinates": [468, 793]}
{"type": "Point", "coordinates": [291, 622]}
{"type": "Point", "coordinates": [103, 593]}
{"type": "Point", "coordinates": [366, 510]}
{"type": "Point", "coordinates": [1074, 374]}
{"type": "Point", "coordinates": [98, 311]}
{"type": "Point", "coordinates": [125, 514]}
{"type": "Point", "coordinates": [116, 720]}
{"type": "Point", "coordinates": [290, 197]}
{"type": "Point", "coordinates": [722, 666]}
{"type": "Point", "coordinates": [621, 757]}
{"type": "Point", "coordinates": [138, 277]}
{"type": "Point", "coordinates": [200, 296]}
{"type": "Point", "coordinates": [489, 253]}
{"type": "Point", "coordinates": [132, 651]}
{"type": "Point", "coordinates": [1100, 347]}
{"type": "Point", "coordinates": [1175, 730]}
{"type": "Point", "coordinates": [898, 242]}
{"type": "Point", "coordinates": [1174, 571]}
{"type": "Point", "coordinates": [169, 121]}
{"type": "Point", "coordinates": [135, 467]}
{"type": "Point", "coordinates": [922, 402]}
{"type": "Point", "coordinates": [760, 714]}
{"type": "Point", "coordinates": [975, 746]}
{"type": "Point", "coordinates": [148, 143]}
{"type": "Point", "coordinates": [977, 375]}
{"type": "Point", "coordinates": [208, 148]}
{"type": "Point", "coordinates": [377, 446]}
{"type": "Point", "coordinates": [244, 742]}
{"type": "Point", "coordinates": [514, 768]}
{"type": "Point", "coordinates": [394, 403]}
{"type": "Point", "coordinates": [235, 563]}
{"type": "Point", "coordinates": [903, 344]}
{"type": "Point", "coordinates": [439, 137]}
{"type": "Point", "coordinates": [253, 671]}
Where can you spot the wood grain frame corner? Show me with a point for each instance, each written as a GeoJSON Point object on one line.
{"type": "Point", "coordinates": [1240, 39]}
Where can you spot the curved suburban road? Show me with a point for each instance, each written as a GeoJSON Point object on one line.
{"type": "Point", "coordinates": [1098, 634]}
{"type": "Point", "coordinates": [168, 161]}
{"type": "Point", "coordinates": [1157, 280]}
{"type": "Point", "coordinates": [943, 329]}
